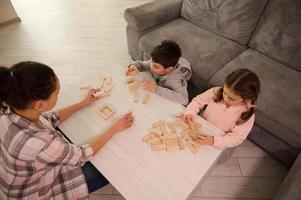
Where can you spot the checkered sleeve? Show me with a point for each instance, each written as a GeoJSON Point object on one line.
{"type": "Point", "coordinates": [59, 152]}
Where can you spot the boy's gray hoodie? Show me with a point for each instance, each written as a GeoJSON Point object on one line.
{"type": "Point", "coordinates": [173, 85]}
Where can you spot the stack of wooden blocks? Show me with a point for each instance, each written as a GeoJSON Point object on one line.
{"type": "Point", "coordinates": [162, 139]}
{"type": "Point", "coordinates": [103, 86]}
{"type": "Point", "coordinates": [133, 84]}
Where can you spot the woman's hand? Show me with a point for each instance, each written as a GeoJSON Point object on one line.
{"type": "Point", "coordinates": [89, 98]}
{"type": "Point", "coordinates": [123, 123]}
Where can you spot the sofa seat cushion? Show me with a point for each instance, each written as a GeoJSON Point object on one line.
{"type": "Point", "coordinates": [206, 52]}
{"type": "Point", "coordinates": [279, 105]}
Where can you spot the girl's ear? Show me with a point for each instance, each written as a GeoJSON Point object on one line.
{"type": "Point", "coordinates": [38, 105]}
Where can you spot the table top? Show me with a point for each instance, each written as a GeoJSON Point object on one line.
{"type": "Point", "coordinates": [130, 165]}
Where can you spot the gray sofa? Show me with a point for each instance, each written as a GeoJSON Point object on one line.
{"type": "Point", "coordinates": [219, 36]}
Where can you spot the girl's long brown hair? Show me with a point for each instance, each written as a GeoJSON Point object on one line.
{"type": "Point", "coordinates": [244, 83]}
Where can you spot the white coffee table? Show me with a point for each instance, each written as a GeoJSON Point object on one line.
{"type": "Point", "coordinates": [129, 164]}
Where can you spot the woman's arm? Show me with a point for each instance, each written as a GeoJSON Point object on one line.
{"type": "Point", "coordinates": [66, 112]}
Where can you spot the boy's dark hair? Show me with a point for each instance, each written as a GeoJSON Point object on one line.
{"type": "Point", "coordinates": [24, 82]}
{"type": "Point", "coordinates": [167, 53]}
{"type": "Point", "coordinates": [244, 83]}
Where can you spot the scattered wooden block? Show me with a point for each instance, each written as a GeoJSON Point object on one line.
{"type": "Point", "coordinates": [155, 140]}
{"type": "Point", "coordinates": [158, 147]}
{"type": "Point", "coordinates": [106, 111]}
{"type": "Point", "coordinates": [181, 143]}
{"type": "Point", "coordinates": [173, 141]}
{"type": "Point", "coordinates": [158, 123]}
{"type": "Point", "coordinates": [108, 80]}
{"type": "Point", "coordinates": [147, 137]}
{"type": "Point", "coordinates": [171, 127]}
{"type": "Point", "coordinates": [171, 147]}
{"type": "Point", "coordinates": [108, 88]}
{"type": "Point", "coordinates": [135, 97]}
{"type": "Point", "coordinates": [146, 99]}
{"type": "Point", "coordinates": [84, 86]}
{"type": "Point", "coordinates": [133, 86]}
{"type": "Point", "coordinates": [191, 147]}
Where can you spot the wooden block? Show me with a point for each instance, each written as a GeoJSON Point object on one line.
{"type": "Point", "coordinates": [185, 135]}
{"type": "Point", "coordinates": [191, 147]}
{"type": "Point", "coordinates": [169, 136]}
{"type": "Point", "coordinates": [84, 86]}
{"type": "Point", "coordinates": [158, 123]}
{"type": "Point", "coordinates": [181, 143]}
{"type": "Point", "coordinates": [170, 148]}
{"type": "Point", "coordinates": [101, 94]}
{"type": "Point", "coordinates": [171, 127]}
{"type": "Point", "coordinates": [192, 126]}
{"type": "Point", "coordinates": [148, 137]}
{"type": "Point", "coordinates": [156, 131]}
{"type": "Point", "coordinates": [106, 111]}
{"type": "Point", "coordinates": [108, 88]}
{"type": "Point", "coordinates": [155, 140]}
{"type": "Point", "coordinates": [135, 97]}
{"type": "Point", "coordinates": [158, 147]}
{"type": "Point", "coordinates": [146, 99]}
{"type": "Point", "coordinates": [173, 141]}
{"type": "Point", "coordinates": [108, 80]}
{"type": "Point", "coordinates": [182, 123]}
{"type": "Point", "coordinates": [130, 79]}
{"type": "Point", "coordinates": [133, 86]}
{"type": "Point", "coordinates": [99, 85]}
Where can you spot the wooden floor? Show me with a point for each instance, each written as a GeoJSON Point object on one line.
{"type": "Point", "coordinates": [83, 37]}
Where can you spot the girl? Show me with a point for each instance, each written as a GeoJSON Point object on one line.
{"type": "Point", "coordinates": [230, 108]}
{"type": "Point", "coordinates": [36, 161]}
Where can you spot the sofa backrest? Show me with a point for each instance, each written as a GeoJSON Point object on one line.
{"type": "Point", "coordinates": [278, 34]}
{"type": "Point", "coordinates": [233, 19]}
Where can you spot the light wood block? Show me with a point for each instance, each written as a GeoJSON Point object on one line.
{"type": "Point", "coordinates": [146, 99]}
{"type": "Point", "coordinates": [158, 147]}
{"type": "Point", "coordinates": [106, 111]}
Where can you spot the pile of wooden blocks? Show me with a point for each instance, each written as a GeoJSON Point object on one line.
{"type": "Point", "coordinates": [162, 139]}
{"type": "Point", "coordinates": [104, 86]}
{"type": "Point", "coordinates": [133, 84]}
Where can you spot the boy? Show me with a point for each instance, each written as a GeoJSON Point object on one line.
{"type": "Point", "coordinates": [169, 70]}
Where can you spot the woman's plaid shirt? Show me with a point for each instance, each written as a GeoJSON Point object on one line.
{"type": "Point", "coordinates": [37, 162]}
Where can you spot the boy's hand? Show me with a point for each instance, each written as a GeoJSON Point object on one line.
{"type": "Point", "coordinates": [123, 123]}
{"type": "Point", "coordinates": [131, 68]}
{"type": "Point", "coordinates": [148, 85]}
{"type": "Point", "coordinates": [89, 98]}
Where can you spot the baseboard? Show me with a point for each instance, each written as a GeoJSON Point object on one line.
{"type": "Point", "coordinates": [11, 21]}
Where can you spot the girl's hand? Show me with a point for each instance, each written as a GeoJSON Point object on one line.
{"type": "Point", "coordinates": [130, 69]}
{"type": "Point", "coordinates": [148, 85]}
{"type": "Point", "coordinates": [205, 139]}
{"type": "Point", "coordinates": [123, 123]}
{"type": "Point", "coordinates": [187, 118]}
{"type": "Point", "coordinates": [89, 98]}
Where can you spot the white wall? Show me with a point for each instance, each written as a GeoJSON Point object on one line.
{"type": "Point", "coordinates": [7, 11]}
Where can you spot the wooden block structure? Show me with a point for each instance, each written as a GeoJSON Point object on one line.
{"type": "Point", "coordinates": [163, 136]}
{"type": "Point", "coordinates": [106, 111]}
{"type": "Point", "coordinates": [146, 99]}
{"type": "Point", "coordinates": [104, 86]}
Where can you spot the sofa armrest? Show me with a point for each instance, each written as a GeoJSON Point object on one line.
{"type": "Point", "coordinates": [153, 13]}
{"type": "Point", "coordinates": [290, 188]}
